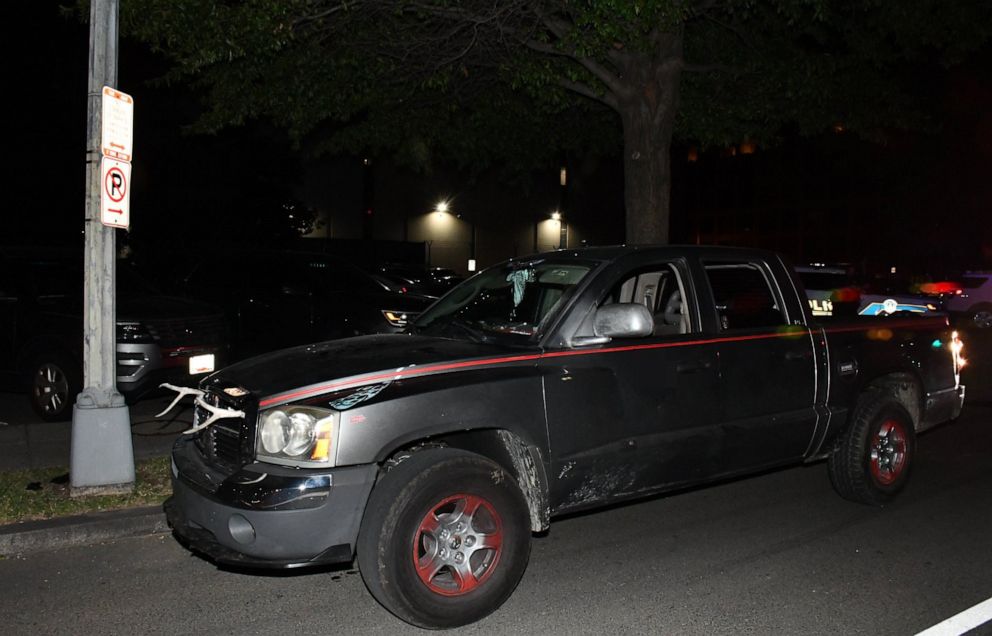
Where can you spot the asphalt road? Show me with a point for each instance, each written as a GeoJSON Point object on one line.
{"type": "Point", "coordinates": [774, 554]}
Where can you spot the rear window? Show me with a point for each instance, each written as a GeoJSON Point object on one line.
{"type": "Point", "coordinates": [745, 298]}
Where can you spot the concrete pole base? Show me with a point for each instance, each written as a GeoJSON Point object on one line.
{"type": "Point", "coordinates": [101, 460]}
{"type": "Point", "coordinates": [81, 492]}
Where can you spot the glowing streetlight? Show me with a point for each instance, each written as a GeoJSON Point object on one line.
{"type": "Point", "coordinates": [556, 216]}
{"type": "Point", "coordinates": [441, 207]}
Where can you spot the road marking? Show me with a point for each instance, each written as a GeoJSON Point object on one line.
{"type": "Point", "coordinates": [963, 622]}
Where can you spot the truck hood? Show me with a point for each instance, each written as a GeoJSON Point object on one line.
{"type": "Point", "coordinates": [318, 364]}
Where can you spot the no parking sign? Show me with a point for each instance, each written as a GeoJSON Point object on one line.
{"type": "Point", "coordinates": [115, 190]}
{"type": "Point", "coordinates": [115, 168]}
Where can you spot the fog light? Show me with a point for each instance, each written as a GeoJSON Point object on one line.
{"type": "Point", "coordinates": [241, 530]}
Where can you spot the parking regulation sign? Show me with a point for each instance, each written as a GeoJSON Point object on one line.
{"type": "Point", "coordinates": [117, 138]}
{"type": "Point", "coordinates": [115, 191]}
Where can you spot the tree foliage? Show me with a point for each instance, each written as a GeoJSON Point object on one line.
{"type": "Point", "coordinates": [515, 81]}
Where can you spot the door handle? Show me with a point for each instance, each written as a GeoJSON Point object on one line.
{"type": "Point", "coordinates": [805, 354]}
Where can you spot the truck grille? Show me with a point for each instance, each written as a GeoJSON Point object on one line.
{"type": "Point", "coordinates": [226, 442]}
{"type": "Point", "coordinates": [187, 331]}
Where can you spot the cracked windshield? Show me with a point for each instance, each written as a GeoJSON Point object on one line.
{"type": "Point", "coordinates": [509, 304]}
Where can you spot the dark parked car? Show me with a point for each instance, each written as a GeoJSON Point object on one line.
{"type": "Point", "coordinates": [160, 338]}
{"type": "Point", "coordinates": [421, 279]}
{"type": "Point", "coordinates": [278, 299]}
{"type": "Point", "coordinates": [544, 386]}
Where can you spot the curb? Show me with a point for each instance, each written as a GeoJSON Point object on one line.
{"type": "Point", "coordinates": [67, 532]}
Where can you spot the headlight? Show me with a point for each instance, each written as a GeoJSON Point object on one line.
{"type": "Point", "coordinates": [396, 318]}
{"type": "Point", "coordinates": [296, 436]}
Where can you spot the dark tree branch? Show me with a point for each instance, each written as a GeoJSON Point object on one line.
{"type": "Point", "coordinates": [598, 71]}
{"type": "Point", "coordinates": [607, 98]}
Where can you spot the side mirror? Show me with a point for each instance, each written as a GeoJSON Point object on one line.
{"type": "Point", "coordinates": [623, 320]}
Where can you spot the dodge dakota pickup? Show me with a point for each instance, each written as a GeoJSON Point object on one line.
{"type": "Point", "coordinates": [545, 385]}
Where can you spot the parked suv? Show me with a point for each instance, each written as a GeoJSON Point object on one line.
{"type": "Point", "coordinates": [277, 299]}
{"type": "Point", "coordinates": [973, 301]}
{"type": "Point", "coordinates": [159, 338]}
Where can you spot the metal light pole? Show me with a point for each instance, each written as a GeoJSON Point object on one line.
{"type": "Point", "coordinates": [562, 200]}
{"type": "Point", "coordinates": [101, 457]}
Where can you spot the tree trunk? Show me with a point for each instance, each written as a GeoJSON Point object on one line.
{"type": "Point", "coordinates": [647, 113]}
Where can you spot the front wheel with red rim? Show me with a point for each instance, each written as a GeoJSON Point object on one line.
{"type": "Point", "coordinates": [458, 544]}
{"type": "Point", "coordinates": [872, 461]}
{"type": "Point", "coordinates": [445, 538]}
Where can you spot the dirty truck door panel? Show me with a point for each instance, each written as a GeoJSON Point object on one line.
{"type": "Point", "coordinates": [637, 414]}
{"type": "Point", "coordinates": [767, 369]}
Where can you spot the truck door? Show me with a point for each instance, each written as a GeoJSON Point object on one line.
{"type": "Point", "coordinates": [767, 373]}
{"type": "Point", "coordinates": [635, 414]}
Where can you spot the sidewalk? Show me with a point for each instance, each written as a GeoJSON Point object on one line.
{"type": "Point", "coordinates": [28, 442]}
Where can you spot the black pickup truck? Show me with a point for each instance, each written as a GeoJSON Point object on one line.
{"type": "Point", "coordinates": [546, 385]}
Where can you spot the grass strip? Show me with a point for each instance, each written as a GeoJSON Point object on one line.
{"type": "Point", "coordinates": [43, 493]}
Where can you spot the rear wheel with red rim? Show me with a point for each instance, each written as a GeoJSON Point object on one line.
{"type": "Point", "coordinates": [887, 457]}
{"type": "Point", "coordinates": [872, 461]}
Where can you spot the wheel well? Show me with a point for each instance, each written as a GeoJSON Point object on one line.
{"type": "Point", "coordinates": [523, 461]}
{"type": "Point", "coordinates": [35, 348]}
{"type": "Point", "coordinates": [905, 388]}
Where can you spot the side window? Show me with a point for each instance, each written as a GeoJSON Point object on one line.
{"type": "Point", "coordinates": [744, 296]}
{"type": "Point", "coordinates": [660, 288]}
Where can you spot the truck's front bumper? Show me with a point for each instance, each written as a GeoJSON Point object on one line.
{"type": "Point", "coordinates": [266, 516]}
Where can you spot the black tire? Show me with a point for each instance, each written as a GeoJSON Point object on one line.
{"type": "Point", "coordinates": [410, 546]}
{"type": "Point", "coordinates": [53, 384]}
{"type": "Point", "coordinates": [981, 317]}
{"type": "Point", "coordinates": [872, 462]}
